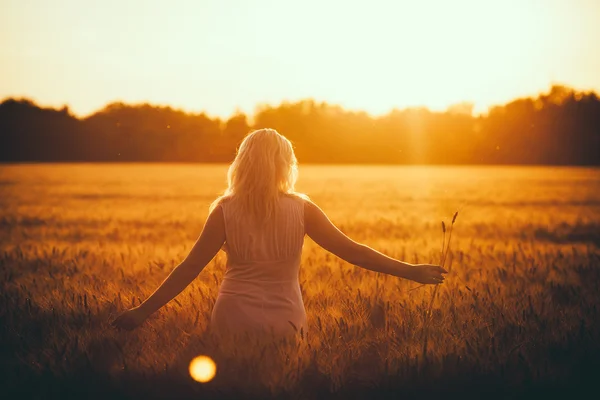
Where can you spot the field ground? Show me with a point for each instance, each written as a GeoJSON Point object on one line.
{"type": "Point", "coordinates": [517, 317]}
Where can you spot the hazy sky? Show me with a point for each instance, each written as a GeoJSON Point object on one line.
{"type": "Point", "coordinates": [217, 56]}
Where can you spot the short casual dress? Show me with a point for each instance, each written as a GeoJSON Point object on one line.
{"type": "Point", "coordinates": [260, 291]}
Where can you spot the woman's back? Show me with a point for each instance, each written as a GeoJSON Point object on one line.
{"type": "Point", "coordinates": [260, 287]}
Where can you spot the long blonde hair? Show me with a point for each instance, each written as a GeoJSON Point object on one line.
{"type": "Point", "coordinates": [264, 167]}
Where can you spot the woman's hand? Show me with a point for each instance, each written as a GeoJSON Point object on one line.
{"type": "Point", "coordinates": [130, 319]}
{"type": "Point", "coordinates": [427, 274]}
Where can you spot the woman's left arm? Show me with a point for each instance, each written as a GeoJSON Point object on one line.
{"type": "Point", "coordinates": [206, 247]}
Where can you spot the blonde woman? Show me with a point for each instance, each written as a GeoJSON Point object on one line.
{"type": "Point", "coordinates": [260, 222]}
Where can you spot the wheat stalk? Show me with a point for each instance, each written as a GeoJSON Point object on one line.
{"type": "Point", "coordinates": [444, 257]}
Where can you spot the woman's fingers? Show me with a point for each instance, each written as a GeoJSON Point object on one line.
{"type": "Point", "coordinates": [118, 323]}
{"type": "Point", "coordinates": [127, 325]}
{"type": "Point", "coordinates": [438, 269]}
{"type": "Point", "coordinates": [430, 274]}
{"type": "Point", "coordinates": [436, 276]}
{"type": "Point", "coordinates": [124, 321]}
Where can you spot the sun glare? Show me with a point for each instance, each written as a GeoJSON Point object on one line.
{"type": "Point", "coordinates": [371, 56]}
{"type": "Point", "coordinates": [203, 369]}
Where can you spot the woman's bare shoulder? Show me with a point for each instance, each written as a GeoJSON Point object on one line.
{"type": "Point", "coordinates": [220, 201]}
{"type": "Point", "coordinates": [298, 197]}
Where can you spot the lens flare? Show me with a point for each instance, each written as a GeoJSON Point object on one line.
{"type": "Point", "coordinates": [203, 369]}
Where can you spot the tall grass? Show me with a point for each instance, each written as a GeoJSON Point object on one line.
{"type": "Point", "coordinates": [518, 311]}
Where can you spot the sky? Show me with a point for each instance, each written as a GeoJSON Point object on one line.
{"type": "Point", "coordinates": [224, 56]}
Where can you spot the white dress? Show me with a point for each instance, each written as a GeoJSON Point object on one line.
{"type": "Point", "coordinates": [260, 291]}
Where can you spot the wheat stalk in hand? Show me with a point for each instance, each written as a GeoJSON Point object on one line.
{"type": "Point", "coordinates": [444, 257]}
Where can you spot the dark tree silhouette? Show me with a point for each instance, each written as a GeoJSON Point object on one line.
{"type": "Point", "coordinates": [561, 127]}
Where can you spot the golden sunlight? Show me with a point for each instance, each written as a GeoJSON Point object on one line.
{"type": "Point", "coordinates": [203, 369]}
{"type": "Point", "coordinates": [220, 57]}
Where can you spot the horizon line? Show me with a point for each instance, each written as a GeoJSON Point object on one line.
{"type": "Point", "coordinates": [289, 101]}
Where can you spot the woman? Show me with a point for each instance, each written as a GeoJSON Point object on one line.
{"type": "Point", "coordinates": [260, 222]}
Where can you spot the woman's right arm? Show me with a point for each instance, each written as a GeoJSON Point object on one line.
{"type": "Point", "coordinates": [320, 229]}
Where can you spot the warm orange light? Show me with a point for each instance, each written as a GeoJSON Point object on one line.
{"type": "Point", "coordinates": [203, 369]}
{"type": "Point", "coordinates": [406, 53]}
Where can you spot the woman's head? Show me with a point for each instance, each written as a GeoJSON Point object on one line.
{"type": "Point", "coordinates": [265, 166]}
{"type": "Point", "coordinates": [265, 163]}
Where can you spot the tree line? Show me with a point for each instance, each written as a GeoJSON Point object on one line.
{"type": "Point", "coordinates": [560, 127]}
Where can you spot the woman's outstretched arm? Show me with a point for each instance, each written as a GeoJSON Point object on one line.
{"type": "Point", "coordinates": [320, 229]}
{"type": "Point", "coordinates": [206, 247]}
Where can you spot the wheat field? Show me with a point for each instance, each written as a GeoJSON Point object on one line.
{"type": "Point", "coordinates": [517, 315]}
